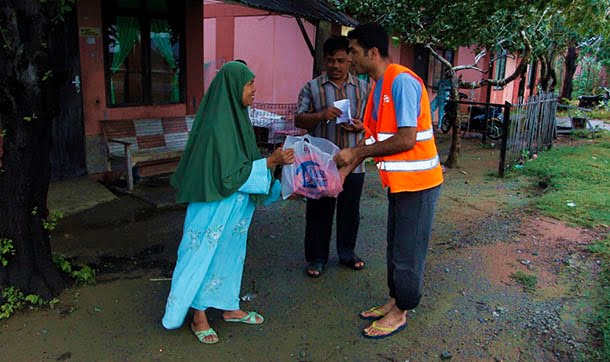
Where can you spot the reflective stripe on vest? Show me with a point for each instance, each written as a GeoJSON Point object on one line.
{"type": "Point", "coordinates": [421, 136]}
{"type": "Point", "coordinates": [402, 166]}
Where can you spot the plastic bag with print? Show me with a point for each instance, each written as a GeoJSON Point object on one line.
{"type": "Point", "coordinates": [314, 173]}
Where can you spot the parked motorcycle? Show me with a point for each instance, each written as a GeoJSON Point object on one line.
{"type": "Point", "coordinates": [585, 101]}
{"type": "Point", "coordinates": [476, 122]}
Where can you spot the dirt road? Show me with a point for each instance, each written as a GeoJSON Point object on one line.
{"type": "Point", "coordinates": [472, 309]}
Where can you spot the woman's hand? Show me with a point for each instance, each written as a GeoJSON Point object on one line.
{"type": "Point", "coordinates": [346, 157]}
{"type": "Point", "coordinates": [347, 160]}
{"type": "Point", "coordinates": [280, 157]}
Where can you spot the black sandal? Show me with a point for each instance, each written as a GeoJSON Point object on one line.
{"type": "Point", "coordinates": [314, 266]}
{"type": "Point", "coordinates": [351, 263]}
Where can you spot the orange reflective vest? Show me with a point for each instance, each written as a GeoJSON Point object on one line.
{"type": "Point", "coordinates": [413, 170]}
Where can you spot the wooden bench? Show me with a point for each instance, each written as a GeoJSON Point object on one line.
{"type": "Point", "coordinates": [146, 140]}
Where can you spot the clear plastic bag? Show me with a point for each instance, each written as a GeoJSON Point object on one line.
{"type": "Point", "coordinates": [314, 173]}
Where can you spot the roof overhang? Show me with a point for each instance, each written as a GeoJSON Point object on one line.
{"type": "Point", "coordinates": [312, 10]}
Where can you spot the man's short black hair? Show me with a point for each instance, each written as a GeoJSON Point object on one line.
{"type": "Point", "coordinates": [241, 61]}
{"type": "Point", "coordinates": [335, 43]}
{"type": "Point", "coordinates": [371, 35]}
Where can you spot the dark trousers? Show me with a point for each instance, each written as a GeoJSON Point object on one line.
{"type": "Point", "coordinates": [319, 221]}
{"type": "Point", "coordinates": [410, 217]}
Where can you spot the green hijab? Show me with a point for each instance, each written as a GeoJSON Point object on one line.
{"type": "Point", "coordinates": [221, 147]}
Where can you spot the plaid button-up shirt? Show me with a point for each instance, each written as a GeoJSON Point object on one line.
{"type": "Point", "coordinates": [320, 93]}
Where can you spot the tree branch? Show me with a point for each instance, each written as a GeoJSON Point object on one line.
{"type": "Point", "coordinates": [480, 56]}
{"type": "Point", "coordinates": [502, 82]}
{"type": "Point", "coordinates": [439, 57]}
{"type": "Point", "coordinates": [474, 65]}
{"type": "Point", "coordinates": [464, 67]}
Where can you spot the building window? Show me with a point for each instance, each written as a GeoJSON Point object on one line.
{"type": "Point", "coordinates": [144, 52]}
{"type": "Point", "coordinates": [500, 66]}
{"type": "Point", "coordinates": [436, 69]}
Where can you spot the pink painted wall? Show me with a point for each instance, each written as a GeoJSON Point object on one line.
{"type": "Point", "coordinates": [209, 51]}
{"type": "Point", "coordinates": [209, 40]}
{"type": "Point", "coordinates": [275, 50]}
{"type": "Point", "coordinates": [466, 56]}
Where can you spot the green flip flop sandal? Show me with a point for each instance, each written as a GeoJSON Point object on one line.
{"type": "Point", "coordinates": [250, 318]}
{"type": "Point", "coordinates": [202, 334]}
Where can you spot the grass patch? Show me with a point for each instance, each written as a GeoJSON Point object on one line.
{"type": "Point", "coordinates": [602, 317]}
{"type": "Point", "coordinates": [595, 133]}
{"type": "Point", "coordinates": [527, 281]}
{"type": "Point", "coordinates": [575, 182]}
{"type": "Point", "coordinates": [576, 189]}
{"type": "Point", "coordinates": [602, 113]}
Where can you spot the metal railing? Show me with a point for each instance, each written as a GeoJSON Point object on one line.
{"type": "Point", "coordinates": [527, 127]}
{"type": "Point", "coordinates": [487, 122]}
{"type": "Point", "coordinates": [273, 122]}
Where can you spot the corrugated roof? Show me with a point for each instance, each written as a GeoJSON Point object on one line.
{"type": "Point", "coordinates": [308, 9]}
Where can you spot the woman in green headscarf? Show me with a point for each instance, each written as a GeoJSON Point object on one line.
{"type": "Point", "coordinates": [221, 176]}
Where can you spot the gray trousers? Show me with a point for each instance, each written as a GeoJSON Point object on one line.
{"type": "Point", "coordinates": [410, 218]}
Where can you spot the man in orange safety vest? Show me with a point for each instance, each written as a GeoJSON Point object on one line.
{"type": "Point", "coordinates": [400, 137]}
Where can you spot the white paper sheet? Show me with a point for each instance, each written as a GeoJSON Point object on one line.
{"type": "Point", "coordinates": [346, 115]}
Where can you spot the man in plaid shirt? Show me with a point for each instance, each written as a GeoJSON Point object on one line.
{"type": "Point", "coordinates": [316, 113]}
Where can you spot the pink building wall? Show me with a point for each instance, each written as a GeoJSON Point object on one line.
{"type": "Point", "coordinates": [465, 55]}
{"type": "Point", "coordinates": [272, 45]}
{"type": "Point", "coordinates": [506, 94]}
{"type": "Point", "coordinates": [275, 50]}
{"type": "Point", "coordinates": [209, 51]}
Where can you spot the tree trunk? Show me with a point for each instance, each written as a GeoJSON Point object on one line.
{"type": "Point", "coordinates": [522, 83]}
{"type": "Point", "coordinates": [548, 77]}
{"type": "Point", "coordinates": [544, 74]}
{"type": "Point", "coordinates": [451, 111]}
{"type": "Point", "coordinates": [533, 78]}
{"type": "Point", "coordinates": [28, 101]}
{"type": "Point", "coordinates": [552, 74]}
{"type": "Point", "coordinates": [566, 90]}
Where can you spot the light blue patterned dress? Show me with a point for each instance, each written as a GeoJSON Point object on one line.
{"type": "Point", "coordinates": [213, 249]}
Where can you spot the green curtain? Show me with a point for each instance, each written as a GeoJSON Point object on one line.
{"type": "Point", "coordinates": [127, 33]}
{"type": "Point", "coordinates": [160, 37]}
